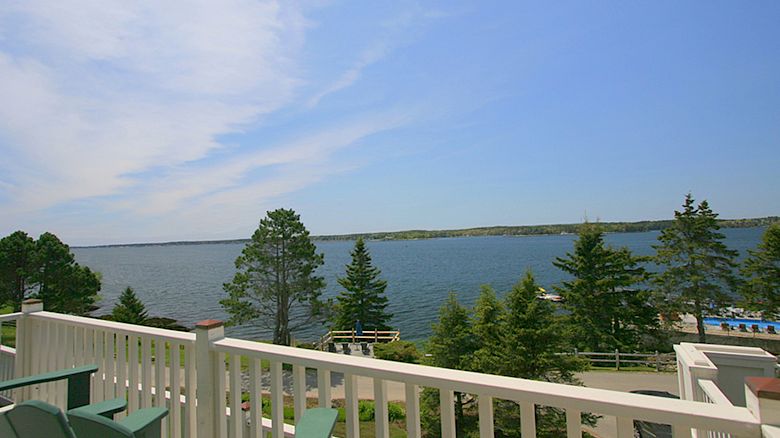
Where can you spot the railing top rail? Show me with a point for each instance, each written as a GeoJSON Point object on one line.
{"type": "Point", "coordinates": [118, 327]}
{"type": "Point", "coordinates": [714, 393]}
{"type": "Point", "coordinates": [645, 407]}
{"type": "Point", "coordinates": [10, 316]}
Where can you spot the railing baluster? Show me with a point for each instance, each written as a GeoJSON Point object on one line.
{"type": "Point", "coordinates": [447, 400]}
{"type": "Point", "coordinates": [221, 395]}
{"type": "Point", "coordinates": [323, 387]}
{"type": "Point", "coordinates": [146, 372]}
{"type": "Point", "coordinates": [99, 357]}
{"type": "Point", "coordinates": [159, 378]}
{"type": "Point", "coordinates": [486, 416]}
{"type": "Point", "coordinates": [573, 424]}
{"type": "Point", "coordinates": [256, 399]}
{"type": "Point", "coordinates": [625, 427]}
{"type": "Point", "coordinates": [108, 370]}
{"type": "Point", "coordinates": [132, 365]}
{"type": "Point", "coordinates": [236, 414]}
{"type": "Point", "coordinates": [351, 405]}
{"type": "Point", "coordinates": [61, 386]}
{"type": "Point", "coordinates": [175, 415]}
{"type": "Point", "coordinates": [380, 409]}
{"type": "Point", "coordinates": [89, 358]}
{"type": "Point", "coordinates": [277, 400]}
{"type": "Point", "coordinates": [528, 419]}
{"type": "Point", "coordinates": [413, 411]}
{"type": "Point", "coordinates": [299, 390]}
{"type": "Point", "coordinates": [190, 382]}
{"type": "Point", "coordinates": [121, 368]}
{"type": "Point", "coordinates": [79, 346]}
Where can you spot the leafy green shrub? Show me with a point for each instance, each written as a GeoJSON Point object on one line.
{"type": "Point", "coordinates": [366, 410]}
{"type": "Point", "coordinates": [399, 351]}
{"type": "Point", "coordinates": [395, 412]}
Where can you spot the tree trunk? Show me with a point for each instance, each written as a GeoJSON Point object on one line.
{"type": "Point", "coordinates": [700, 326]}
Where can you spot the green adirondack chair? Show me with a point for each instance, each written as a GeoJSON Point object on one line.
{"type": "Point", "coordinates": [34, 419]}
{"type": "Point", "coordinates": [316, 423]}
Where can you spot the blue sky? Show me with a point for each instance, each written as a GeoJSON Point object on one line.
{"type": "Point", "coordinates": [157, 121]}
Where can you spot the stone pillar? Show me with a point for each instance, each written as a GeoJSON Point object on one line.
{"type": "Point", "coordinates": [207, 332]}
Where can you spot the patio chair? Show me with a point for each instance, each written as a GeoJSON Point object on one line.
{"type": "Point", "coordinates": [78, 383]}
{"type": "Point", "coordinates": [742, 328]}
{"type": "Point", "coordinates": [755, 328]}
{"type": "Point", "coordinates": [34, 418]}
{"type": "Point", "coordinates": [345, 348]}
{"type": "Point", "coordinates": [316, 423]}
{"type": "Point", "coordinates": [771, 330]}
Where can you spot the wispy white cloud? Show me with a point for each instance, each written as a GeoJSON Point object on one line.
{"type": "Point", "coordinates": [351, 75]}
{"type": "Point", "coordinates": [95, 92]}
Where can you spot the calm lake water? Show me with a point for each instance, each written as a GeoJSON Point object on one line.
{"type": "Point", "coordinates": [184, 282]}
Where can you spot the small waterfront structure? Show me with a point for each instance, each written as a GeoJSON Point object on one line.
{"type": "Point", "coordinates": [725, 391]}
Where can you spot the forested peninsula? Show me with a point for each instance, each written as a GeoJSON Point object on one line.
{"type": "Point", "coordinates": [518, 230]}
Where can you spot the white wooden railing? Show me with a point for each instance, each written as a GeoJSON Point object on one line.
{"type": "Point", "coordinates": [139, 362]}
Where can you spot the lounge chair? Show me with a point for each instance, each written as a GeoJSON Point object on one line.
{"type": "Point", "coordinates": [345, 348]}
{"type": "Point", "coordinates": [34, 418]}
{"type": "Point", "coordinates": [332, 347]}
{"type": "Point", "coordinates": [365, 348]}
{"type": "Point", "coordinates": [754, 328]}
{"type": "Point", "coordinates": [316, 423]}
{"type": "Point", "coordinates": [743, 328]}
{"type": "Point", "coordinates": [771, 330]}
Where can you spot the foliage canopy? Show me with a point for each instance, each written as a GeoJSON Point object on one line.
{"type": "Point", "coordinates": [275, 286]}
{"type": "Point", "coordinates": [363, 296]}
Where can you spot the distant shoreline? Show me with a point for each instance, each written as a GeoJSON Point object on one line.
{"type": "Point", "coordinates": [520, 230]}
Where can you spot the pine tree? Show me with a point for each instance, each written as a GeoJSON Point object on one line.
{"type": "Point", "coordinates": [608, 308]}
{"type": "Point", "coordinates": [363, 299]}
{"type": "Point", "coordinates": [532, 340]}
{"type": "Point", "coordinates": [762, 272]}
{"type": "Point", "coordinates": [18, 264]}
{"type": "Point", "coordinates": [129, 309]}
{"type": "Point", "coordinates": [699, 268]}
{"type": "Point", "coordinates": [488, 329]}
{"type": "Point", "coordinates": [276, 286]}
{"type": "Point", "coordinates": [451, 345]}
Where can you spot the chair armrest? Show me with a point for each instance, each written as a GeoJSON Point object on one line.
{"type": "Point", "coordinates": [105, 408]}
{"type": "Point", "coordinates": [316, 423]}
{"type": "Point", "coordinates": [145, 423]}
{"type": "Point", "coordinates": [78, 383]}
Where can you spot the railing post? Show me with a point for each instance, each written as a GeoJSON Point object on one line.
{"type": "Point", "coordinates": [762, 395]}
{"type": "Point", "coordinates": [617, 359]}
{"type": "Point", "coordinates": [657, 362]}
{"type": "Point", "coordinates": [24, 346]}
{"type": "Point", "coordinates": [207, 332]}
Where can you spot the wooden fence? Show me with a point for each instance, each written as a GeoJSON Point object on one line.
{"type": "Point", "coordinates": [375, 336]}
{"type": "Point", "coordinates": [618, 359]}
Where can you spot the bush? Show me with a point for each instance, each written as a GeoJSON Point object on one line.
{"type": "Point", "coordinates": [399, 351]}
{"type": "Point", "coordinates": [366, 411]}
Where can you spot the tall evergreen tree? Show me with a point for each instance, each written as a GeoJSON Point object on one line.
{"type": "Point", "coordinates": [129, 309]}
{"type": "Point", "coordinates": [363, 298]}
{"type": "Point", "coordinates": [608, 307]}
{"type": "Point", "coordinates": [532, 340]}
{"type": "Point", "coordinates": [761, 269]}
{"type": "Point", "coordinates": [17, 268]}
{"type": "Point", "coordinates": [46, 269]}
{"type": "Point", "coordinates": [451, 345]}
{"type": "Point", "coordinates": [276, 286]}
{"type": "Point", "coordinates": [699, 268]}
{"type": "Point", "coordinates": [63, 285]}
{"type": "Point", "coordinates": [488, 330]}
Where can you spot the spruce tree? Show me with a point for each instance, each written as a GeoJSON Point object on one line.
{"type": "Point", "coordinates": [532, 339]}
{"type": "Point", "coordinates": [451, 345]}
{"type": "Point", "coordinates": [129, 309]}
{"type": "Point", "coordinates": [761, 270]}
{"type": "Point", "coordinates": [363, 298]}
{"type": "Point", "coordinates": [698, 267]}
{"type": "Point", "coordinates": [608, 307]}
